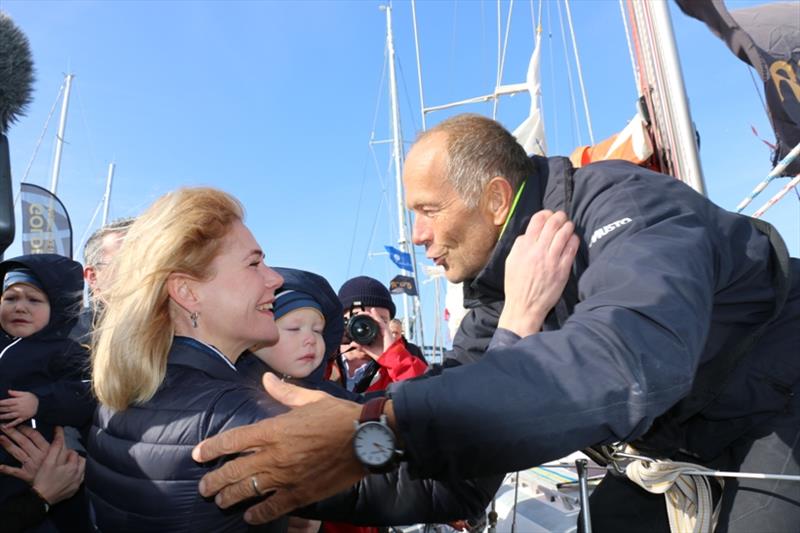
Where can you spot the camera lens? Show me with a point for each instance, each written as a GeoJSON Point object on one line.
{"type": "Point", "coordinates": [362, 329]}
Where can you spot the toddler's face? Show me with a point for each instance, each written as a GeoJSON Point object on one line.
{"type": "Point", "coordinates": [300, 348]}
{"type": "Point", "coordinates": [24, 310]}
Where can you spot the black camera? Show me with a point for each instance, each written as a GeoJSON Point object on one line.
{"type": "Point", "coordinates": [362, 329]}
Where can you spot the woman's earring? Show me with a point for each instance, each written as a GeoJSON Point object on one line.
{"type": "Point", "coordinates": [193, 318]}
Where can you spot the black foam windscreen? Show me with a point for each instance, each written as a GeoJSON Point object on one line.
{"type": "Point", "coordinates": [16, 88]}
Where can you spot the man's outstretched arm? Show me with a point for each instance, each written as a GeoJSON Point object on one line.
{"type": "Point", "coordinates": [297, 458]}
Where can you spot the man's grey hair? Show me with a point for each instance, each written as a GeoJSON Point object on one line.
{"type": "Point", "coordinates": [93, 250]}
{"type": "Point", "coordinates": [478, 150]}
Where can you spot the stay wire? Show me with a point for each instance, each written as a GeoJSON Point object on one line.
{"type": "Point", "coordinates": [405, 90]}
{"type": "Point", "coordinates": [574, 108]}
{"type": "Point", "coordinates": [371, 150]}
{"type": "Point", "coordinates": [553, 92]}
{"type": "Point", "coordinates": [44, 132]}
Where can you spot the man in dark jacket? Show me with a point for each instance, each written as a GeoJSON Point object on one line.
{"type": "Point", "coordinates": [678, 333]}
{"type": "Point", "coordinates": [99, 251]}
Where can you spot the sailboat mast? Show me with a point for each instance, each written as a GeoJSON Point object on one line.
{"type": "Point", "coordinates": [672, 119]}
{"type": "Point", "coordinates": [107, 196]}
{"type": "Point", "coordinates": [397, 154]}
{"type": "Point", "coordinates": [62, 126]}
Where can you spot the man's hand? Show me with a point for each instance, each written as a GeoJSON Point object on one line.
{"type": "Point", "coordinates": [537, 269]}
{"type": "Point", "coordinates": [300, 457]}
{"type": "Point", "coordinates": [20, 407]}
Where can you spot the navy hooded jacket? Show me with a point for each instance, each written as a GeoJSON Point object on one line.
{"type": "Point", "coordinates": [666, 282]}
{"type": "Point", "coordinates": [48, 363]}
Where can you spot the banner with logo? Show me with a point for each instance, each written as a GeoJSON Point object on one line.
{"type": "Point", "coordinates": [46, 228]}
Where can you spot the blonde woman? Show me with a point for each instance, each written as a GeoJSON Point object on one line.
{"type": "Point", "coordinates": [192, 292]}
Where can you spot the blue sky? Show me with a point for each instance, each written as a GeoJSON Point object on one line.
{"type": "Point", "coordinates": [276, 102]}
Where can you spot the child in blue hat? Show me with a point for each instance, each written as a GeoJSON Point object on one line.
{"type": "Point", "coordinates": [44, 379]}
{"type": "Point", "coordinates": [309, 318]}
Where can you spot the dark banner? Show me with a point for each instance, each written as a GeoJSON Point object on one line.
{"type": "Point", "coordinates": [767, 38]}
{"type": "Point", "coordinates": [403, 285]}
{"type": "Point", "coordinates": [46, 228]}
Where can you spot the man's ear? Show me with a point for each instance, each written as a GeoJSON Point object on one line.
{"type": "Point", "coordinates": [498, 196]}
{"type": "Point", "coordinates": [183, 291]}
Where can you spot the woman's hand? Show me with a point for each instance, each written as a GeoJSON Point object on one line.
{"type": "Point", "coordinates": [61, 472]}
{"type": "Point", "coordinates": [27, 446]}
{"type": "Point", "coordinates": [54, 471]}
{"type": "Point", "coordinates": [21, 406]}
{"type": "Point", "coordinates": [537, 269]}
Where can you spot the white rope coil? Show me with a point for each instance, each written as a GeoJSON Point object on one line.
{"type": "Point", "coordinates": [688, 497]}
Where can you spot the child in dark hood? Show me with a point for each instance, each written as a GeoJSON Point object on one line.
{"type": "Point", "coordinates": [308, 315]}
{"type": "Point", "coordinates": [42, 372]}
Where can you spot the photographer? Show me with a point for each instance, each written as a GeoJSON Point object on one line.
{"type": "Point", "coordinates": [371, 358]}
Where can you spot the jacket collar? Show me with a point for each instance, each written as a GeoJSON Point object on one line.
{"type": "Point", "coordinates": [192, 353]}
{"type": "Point", "coordinates": [543, 189]}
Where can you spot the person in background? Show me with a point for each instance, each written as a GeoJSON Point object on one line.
{"type": "Point", "coordinates": [372, 367]}
{"type": "Point", "coordinates": [396, 327]}
{"type": "Point", "coordinates": [98, 272]}
{"type": "Point", "coordinates": [52, 471]}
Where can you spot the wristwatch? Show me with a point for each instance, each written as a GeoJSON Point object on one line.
{"type": "Point", "coordinates": [374, 443]}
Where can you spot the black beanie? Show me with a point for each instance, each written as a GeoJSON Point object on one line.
{"type": "Point", "coordinates": [368, 292]}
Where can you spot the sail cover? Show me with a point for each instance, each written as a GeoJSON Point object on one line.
{"type": "Point", "coordinates": [46, 228]}
{"type": "Point", "coordinates": [766, 37]}
{"type": "Point", "coordinates": [530, 134]}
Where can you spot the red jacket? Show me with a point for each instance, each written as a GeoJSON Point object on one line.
{"type": "Point", "coordinates": [396, 364]}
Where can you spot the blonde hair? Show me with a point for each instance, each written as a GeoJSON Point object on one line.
{"type": "Point", "coordinates": [181, 232]}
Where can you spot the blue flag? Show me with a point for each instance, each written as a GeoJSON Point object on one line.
{"type": "Point", "coordinates": [401, 259]}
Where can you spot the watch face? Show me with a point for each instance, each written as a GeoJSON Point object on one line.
{"type": "Point", "coordinates": [374, 444]}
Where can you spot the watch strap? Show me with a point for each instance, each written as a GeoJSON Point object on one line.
{"type": "Point", "coordinates": [372, 410]}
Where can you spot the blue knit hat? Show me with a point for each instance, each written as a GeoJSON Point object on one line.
{"type": "Point", "coordinates": [368, 292]}
{"type": "Point", "coordinates": [21, 275]}
{"type": "Point", "coordinates": [289, 300]}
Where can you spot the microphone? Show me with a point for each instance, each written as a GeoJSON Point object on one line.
{"type": "Point", "coordinates": [16, 88]}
